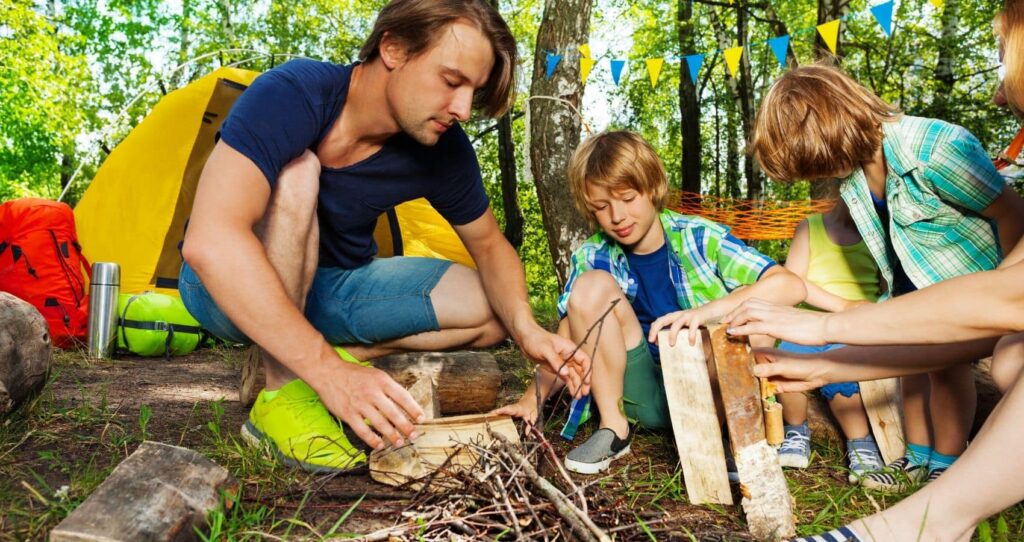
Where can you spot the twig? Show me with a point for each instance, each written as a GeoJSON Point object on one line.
{"type": "Point", "coordinates": [576, 491]}
{"type": "Point", "coordinates": [580, 522]}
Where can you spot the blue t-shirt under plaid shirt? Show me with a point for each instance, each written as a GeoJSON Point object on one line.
{"type": "Point", "coordinates": [705, 262]}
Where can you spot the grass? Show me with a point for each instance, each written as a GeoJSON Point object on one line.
{"type": "Point", "coordinates": [58, 447]}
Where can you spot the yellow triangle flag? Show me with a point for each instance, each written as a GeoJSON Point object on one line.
{"type": "Point", "coordinates": [585, 50]}
{"type": "Point", "coordinates": [937, 3]}
{"type": "Point", "coordinates": [732, 59]}
{"type": "Point", "coordinates": [586, 64]}
{"type": "Point", "coordinates": [654, 69]}
{"type": "Point", "coordinates": [830, 33]}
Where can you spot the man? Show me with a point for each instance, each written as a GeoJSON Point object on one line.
{"type": "Point", "coordinates": [279, 249]}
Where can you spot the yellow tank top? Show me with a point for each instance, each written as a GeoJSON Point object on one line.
{"type": "Point", "coordinates": [846, 271]}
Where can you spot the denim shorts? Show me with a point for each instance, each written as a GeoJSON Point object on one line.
{"type": "Point", "coordinates": [828, 391]}
{"type": "Point", "coordinates": [386, 299]}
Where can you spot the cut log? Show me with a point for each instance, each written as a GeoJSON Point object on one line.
{"type": "Point", "coordinates": [24, 351]}
{"type": "Point", "coordinates": [883, 404]}
{"type": "Point", "coordinates": [467, 382]}
{"type": "Point", "coordinates": [695, 424]}
{"type": "Point", "coordinates": [440, 442]}
{"type": "Point", "coordinates": [766, 500]}
{"type": "Point", "coordinates": [160, 493]}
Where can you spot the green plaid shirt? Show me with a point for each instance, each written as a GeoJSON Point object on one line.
{"type": "Point", "coordinates": [938, 182]}
{"type": "Point", "coordinates": [705, 264]}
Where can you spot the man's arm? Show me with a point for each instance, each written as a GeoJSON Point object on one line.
{"type": "Point", "coordinates": [504, 282]}
{"type": "Point", "coordinates": [224, 251]}
{"type": "Point", "coordinates": [979, 305]}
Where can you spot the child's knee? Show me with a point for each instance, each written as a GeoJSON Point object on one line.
{"type": "Point", "coordinates": [1008, 361]}
{"type": "Point", "coordinates": [592, 290]}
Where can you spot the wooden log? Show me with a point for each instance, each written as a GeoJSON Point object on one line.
{"type": "Point", "coordinates": [159, 493]}
{"type": "Point", "coordinates": [695, 424]}
{"type": "Point", "coordinates": [766, 500]}
{"type": "Point", "coordinates": [467, 382]}
{"type": "Point", "coordinates": [424, 391]}
{"type": "Point", "coordinates": [24, 351]}
{"type": "Point", "coordinates": [440, 442]}
{"type": "Point", "coordinates": [883, 404]}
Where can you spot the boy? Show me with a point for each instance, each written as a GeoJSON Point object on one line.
{"type": "Point", "coordinates": [839, 273]}
{"type": "Point", "coordinates": [668, 270]}
{"type": "Point", "coordinates": [927, 202]}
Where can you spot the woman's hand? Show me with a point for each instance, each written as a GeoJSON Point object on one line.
{"type": "Point", "coordinates": [756, 317]}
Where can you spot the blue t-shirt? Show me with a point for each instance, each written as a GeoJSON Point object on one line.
{"type": "Point", "coordinates": [655, 294]}
{"type": "Point", "coordinates": [901, 282]}
{"type": "Point", "coordinates": [291, 108]}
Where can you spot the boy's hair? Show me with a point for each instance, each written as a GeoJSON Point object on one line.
{"type": "Point", "coordinates": [617, 161]}
{"type": "Point", "coordinates": [418, 23]}
{"type": "Point", "coordinates": [1009, 25]}
{"type": "Point", "coordinates": [815, 121]}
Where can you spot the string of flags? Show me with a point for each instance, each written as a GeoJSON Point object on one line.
{"type": "Point", "coordinates": [829, 32]}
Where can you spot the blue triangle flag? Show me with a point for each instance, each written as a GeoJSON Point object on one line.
{"type": "Point", "coordinates": [553, 61]}
{"type": "Point", "coordinates": [617, 66]}
{"type": "Point", "coordinates": [883, 14]}
{"type": "Point", "coordinates": [694, 62]}
{"type": "Point", "coordinates": [780, 46]}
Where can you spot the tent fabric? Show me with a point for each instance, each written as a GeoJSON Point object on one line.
{"type": "Point", "coordinates": [135, 210]}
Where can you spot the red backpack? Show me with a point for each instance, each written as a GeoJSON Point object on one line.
{"type": "Point", "coordinates": [41, 263]}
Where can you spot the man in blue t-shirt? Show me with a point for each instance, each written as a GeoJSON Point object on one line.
{"type": "Point", "coordinates": [280, 251]}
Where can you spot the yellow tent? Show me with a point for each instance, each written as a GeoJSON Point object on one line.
{"type": "Point", "coordinates": [135, 209]}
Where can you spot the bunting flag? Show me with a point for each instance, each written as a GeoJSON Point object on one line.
{"type": "Point", "coordinates": [937, 3]}
{"type": "Point", "coordinates": [830, 33]}
{"type": "Point", "coordinates": [617, 66]}
{"type": "Point", "coordinates": [654, 69]}
{"type": "Point", "coordinates": [694, 62]}
{"type": "Point", "coordinates": [732, 59]}
{"type": "Point", "coordinates": [780, 46]}
{"type": "Point", "coordinates": [883, 14]}
{"type": "Point", "coordinates": [585, 50]}
{"type": "Point", "coordinates": [586, 64]}
{"type": "Point", "coordinates": [553, 61]}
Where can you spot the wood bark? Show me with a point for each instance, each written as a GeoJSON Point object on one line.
{"type": "Point", "coordinates": [947, 45]}
{"type": "Point", "coordinates": [467, 382]}
{"type": "Point", "coordinates": [509, 183]}
{"type": "Point", "coordinates": [159, 493]}
{"type": "Point", "coordinates": [689, 102]}
{"type": "Point", "coordinates": [24, 351]}
{"type": "Point", "coordinates": [745, 98]}
{"type": "Point", "coordinates": [555, 127]}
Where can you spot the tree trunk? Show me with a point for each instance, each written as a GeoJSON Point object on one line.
{"type": "Point", "coordinates": [185, 42]}
{"type": "Point", "coordinates": [509, 183]}
{"type": "Point", "coordinates": [828, 10]}
{"type": "Point", "coordinates": [745, 94]}
{"type": "Point", "coordinates": [689, 105]}
{"type": "Point", "coordinates": [555, 127]}
{"type": "Point", "coordinates": [732, 155]}
{"type": "Point", "coordinates": [944, 67]}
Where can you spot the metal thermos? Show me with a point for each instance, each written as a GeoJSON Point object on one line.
{"type": "Point", "coordinates": [106, 285]}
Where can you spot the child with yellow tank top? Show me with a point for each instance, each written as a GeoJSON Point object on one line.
{"type": "Point", "coordinates": [839, 273]}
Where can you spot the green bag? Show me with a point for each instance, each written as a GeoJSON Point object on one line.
{"type": "Point", "coordinates": [153, 324]}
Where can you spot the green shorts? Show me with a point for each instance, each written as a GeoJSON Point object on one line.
{"type": "Point", "coordinates": [643, 389]}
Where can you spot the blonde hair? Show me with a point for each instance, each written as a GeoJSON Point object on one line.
{"type": "Point", "coordinates": [617, 161]}
{"type": "Point", "coordinates": [1009, 25]}
{"type": "Point", "coordinates": [418, 23]}
{"type": "Point", "coordinates": [816, 121]}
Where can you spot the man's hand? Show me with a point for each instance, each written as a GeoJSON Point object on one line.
{"type": "Point", "coordinates": [690, 319]}
{"type": "Point", "coordinates": [756, 317]}
{"type": "Point", "coordinates": [358, 394]}
{"type": "Point", "coordinates": [548, 348]}
{"type": "Point", "coordinates": [524, 409]}
{"type": "Point", "coordinates": [791, 372]}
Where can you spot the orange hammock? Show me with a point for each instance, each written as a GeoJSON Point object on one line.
{"type": "Point", "coordinates": [752, 220]}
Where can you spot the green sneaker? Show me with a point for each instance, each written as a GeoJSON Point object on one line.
{"type": "Point", "coordinates": [297, 427]}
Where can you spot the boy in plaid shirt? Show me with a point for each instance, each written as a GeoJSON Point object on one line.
{"type": "Point", "coordinates": [668, 270]}
{"type": "Point", "coordinates": [928, 203]}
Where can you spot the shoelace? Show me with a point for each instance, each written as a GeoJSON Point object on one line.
{"type": "Point", "coordinates": [796, 442]}
{"type": "Point", "coordinates": [866, 457]}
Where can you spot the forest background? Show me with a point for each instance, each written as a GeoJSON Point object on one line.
{"type": "Point", "coordinates": [76, 76]}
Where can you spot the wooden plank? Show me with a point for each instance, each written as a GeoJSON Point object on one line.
{"type": "Point", "coordinates": [883, 402]}
{"type": "Point", "coordinates": [695, 423]}
{"type": "Point", "coordinates": [424, 391]}
{"type": "Point", "coordinates": [766, 500]}
{"type": "Point", "coordinates": [159, 493]}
